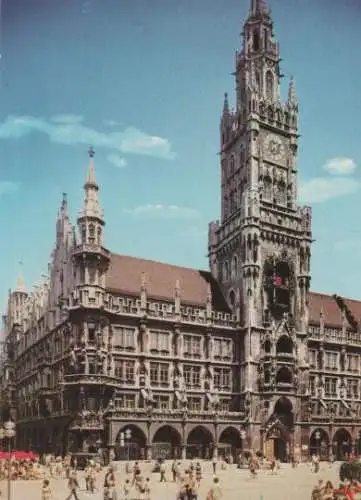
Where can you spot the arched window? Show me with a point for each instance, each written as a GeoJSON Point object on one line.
{"type": "Point", "coordinates": [99, 233]}
{"type": "Point", "coordinates": [282, 193]}
{"type": "Point", "coordinates": [91, 233]}
{"type": "Point", "coordinates": [234, 266]}
{"type": "Point", "coordinates": [255, 41]}
{"type": "Point", "coordinates": [284, 345]}
{"type": "Point", "coordinates": [284, 376]}
{"type": "Point", "coordinates": [269, 86]}
{"type": "Point", "coordinates": [267, 188]}
{"type": "Point", "coordinates": [232, 298]}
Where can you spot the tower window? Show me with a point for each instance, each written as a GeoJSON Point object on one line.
{"type": "Point", "coordinates": [91, 233]}
{"type": "Point", "coordinates": [99, 235]}
{"type": "Point", "coordinates": [269, 86]}
{"type": "Point", "coordinates": [255, 41]}
{"type": "Point", "coordinates": [232, 298]}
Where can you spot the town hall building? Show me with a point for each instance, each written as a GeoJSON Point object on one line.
{"type": "Point", "coordinates": [192, 362]}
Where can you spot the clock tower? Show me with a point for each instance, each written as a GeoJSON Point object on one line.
{"type": "Point", "coordinates": [260, 248]}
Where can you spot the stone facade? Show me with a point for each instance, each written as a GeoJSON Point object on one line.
{"type": "Point", "coordinates": [193, 362]}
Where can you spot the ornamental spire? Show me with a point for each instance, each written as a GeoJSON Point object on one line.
{"type": "Point", "coordinates": [91, 206]}
{"type": "Point", "coordinates": [20, 282]}
{"type": "Point", "coordinates": [259, 7]}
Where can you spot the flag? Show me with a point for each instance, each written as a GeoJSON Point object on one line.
{"type": "Point", "coordinates": [277, 281]}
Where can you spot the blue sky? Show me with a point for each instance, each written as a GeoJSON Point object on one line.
{"type": "Point", "coordinates": [143, 82]}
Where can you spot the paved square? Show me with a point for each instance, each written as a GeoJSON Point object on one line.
{"type": "Point", "coordinates": [287, 484]}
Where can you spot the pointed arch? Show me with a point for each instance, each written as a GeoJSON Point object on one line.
{"type": "Point", "coordinates": [284, 376]}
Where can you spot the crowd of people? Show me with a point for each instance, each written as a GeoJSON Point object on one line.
{"type": "Point", "coordinates": [350, 490]}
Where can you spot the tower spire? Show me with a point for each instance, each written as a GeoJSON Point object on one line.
{"type": "Point", "coordinates": [20, 282]}
{"type": "Point", "coordinates": [91, 203]}
{"type": "Point", "coordinates": [259, 7]}
{"type": "Point", "coordinates": [292, 97]}
{"type": "Point", "coordinates": [225, 104]}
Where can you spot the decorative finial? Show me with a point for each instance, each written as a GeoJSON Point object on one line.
{"type": "Point", "coordinates": [143, 282]}
{"type": "Point", "coordinates": [177, 288]}
{"type": "Point", "coordinates": [20, 283]}
{"type": "Point", "coordinates": [91, 152]}
{"type": "Point", "coordinates": [292, 98]}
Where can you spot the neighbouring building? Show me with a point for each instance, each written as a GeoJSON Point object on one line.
{"type": "Point", "coordinates": [194, 362]}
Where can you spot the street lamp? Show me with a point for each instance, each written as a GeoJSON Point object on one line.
{"type": "Point", "coordinates": [128, 437]}
{"type": "Point", "coordinates": [8, 432]}
{"type": "Point", "coordinates": [243, 437]}
{"type": "Point", "coordinates": [318, 437]}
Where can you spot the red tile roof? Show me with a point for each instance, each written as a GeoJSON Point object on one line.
{"type": "Point", "coordinates": [125, 275]}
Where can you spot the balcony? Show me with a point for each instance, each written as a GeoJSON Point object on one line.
{"type": "Point", "coordinates": [101, 252]}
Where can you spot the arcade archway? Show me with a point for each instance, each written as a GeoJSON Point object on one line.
{"type": "Point", "coordinates": [132, 447]}
{"type": "Point", "coordinates": [230, 442]}
{"type": "Point", "coordinates": [200, 443]}
{"type": "Point", "coordinates": [319, 443]}
{"type": "Point", "coordinates": [342, 444]}
{"type": "Point", "coordinates": [166, 443]}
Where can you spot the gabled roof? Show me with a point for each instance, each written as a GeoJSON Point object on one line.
{"type": "Point", "coordinates": [125, 276]}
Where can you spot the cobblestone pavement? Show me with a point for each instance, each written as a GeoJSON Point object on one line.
{"type": "Point", "coordinates": [287, 484]}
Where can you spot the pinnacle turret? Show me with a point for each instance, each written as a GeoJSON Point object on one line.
{"type": "Point", "coordinates": [91, 206]}
{"type": "Point", "coordinates": [259, 7]}
{"type": "Point", "coordinates": [225, 105]}
{"type": "Point", "coordinates": [292, 97]}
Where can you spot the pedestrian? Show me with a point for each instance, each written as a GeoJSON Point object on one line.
{"type": "Point", "coordinates": [73, 485]}
{"type": "Point", "coordinates": [162, 471]}
{"type": "Point", "coordinates": [214, 464]}
{"type": "Point", "coordinates": [45, 490]}
{"type": "Point", "coordinates": [198, 473]}
{"type": "Point", "coordinates": [214, 492]}
{"type": "Point", "coordinates": [174, 470]}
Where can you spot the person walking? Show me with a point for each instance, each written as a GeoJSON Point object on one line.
{"type": "Point", "coordinates": [73, 485]}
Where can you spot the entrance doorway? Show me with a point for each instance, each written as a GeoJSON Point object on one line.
{"type": "Point", "coordinates": [280, 449]}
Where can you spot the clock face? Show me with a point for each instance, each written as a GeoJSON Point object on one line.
{"type": "Point", "coordinates": [274, 147]}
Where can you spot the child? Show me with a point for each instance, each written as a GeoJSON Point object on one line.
{"type": "Point", "coordinates": [45, 490]}
{"type": "Point", "coordinates": [126, 489]}
{"type": "Point", "coordinates": [147, 489]}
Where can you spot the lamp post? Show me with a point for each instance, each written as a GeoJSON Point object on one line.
{"type": "Point", "coordinates": [243, 437]}
{"type": "Point", "coordinates": [8, 432]}
{"type": "Point", "coordinates": [318, 437]}
{"type": "Point", "coordinates": [128, 437]}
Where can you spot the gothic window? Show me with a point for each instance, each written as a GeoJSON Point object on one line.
{"type": "Point", "coordinates": [284, 376]}
{"type": "Point", "coordinates": [255, 41]}
{"type": "Point", "coordinates": [258, 79]}
{"type": "Point", "coordinates": [234, 266]}
{"type": "Point", "coordinates": [284, 345]}
{"type": "Point", "coordinates": [277, 284]}
{"type": "Point", "coordinates": [83, 234]}
{"type": "Point", "coordinates": [92, 275]}
{"type": "Point", "coordinates": [242, 156]}
{"type": "Point", "coordinates": [282, 193]}
{"type": "Point", "coordinates": [91, 233]}
{"type": "Point", "coordinates": [269, 85]}
{"type": "Point", "coordinates": [232, 298]}
{"type": "Point", "coordinates": [267, 188]}
{"type": "Point", "coordinates": [267, 347]}
{"type": "Point", "coordinates": [99, 232]}
{"type": "Point", "coordinates": [225, 271]}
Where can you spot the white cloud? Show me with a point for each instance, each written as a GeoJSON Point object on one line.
{"type": "Point", "coordinates": [110, 123]}
{"type": "Point", "coordinates": [321, 189]}
{"type": "Point", "coordinates": [117, 161]}
{"type": "Point", "coordinates": [131, 140]}
{"type": "Point", "coordinates": [8, 187]}
{"type": "Point", "coordinates": [163, 211]}
{"type": "Point", "coordinates": [340, 166]}
{"type": "Point", "coordinates": [67, 118]}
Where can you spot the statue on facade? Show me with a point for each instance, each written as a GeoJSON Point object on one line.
{"type": "Point", "coordinates": [343, 359]}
